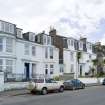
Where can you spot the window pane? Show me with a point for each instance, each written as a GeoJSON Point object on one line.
{"type": "Point", "coordinates": [72, 68]}
{"type": "Point", "coordinates": [46, 52]}
{"type": "Point", "coordinates": [61, 70]}
{"type": "Point", "coordinates": [72, 42]}
{"type": "Point", "coordinates": [33, 50]}
{"type": "Point", "coordinates": [2, 26]}
{"type": "Point", "coordinates": [51, 53]}
{"type": "Point", "coordinates": [48, 40]}
{"type": "Point", "coordinates": [9, 43]}
{"type": "Point", "coordinates": [44, 39]}
{"type": "Point", "coordinates": [1, 44]}
{"type": "Point", "coordinates": [6, 27]}
{"type": "Point", "coordinates": [72, 56]}
{"type": "Point", "coordinates": [26, 49]}
{"type": "Point", "coordinates": [9, 66]}
{"type": "Point", "coordinates": [11, 28]}
{"type": "Point", "coordinates": [1, 64]}
{"type": "Point", "coordinates": [51, 69]}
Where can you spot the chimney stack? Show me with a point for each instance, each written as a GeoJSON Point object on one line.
{"type": "Point", "coordinates": [52, 32]}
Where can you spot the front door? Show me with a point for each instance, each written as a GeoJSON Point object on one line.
{"type": "Point", "coordinates": [80, 70]}
{"type": "Point", "coordinates": [27, 71]}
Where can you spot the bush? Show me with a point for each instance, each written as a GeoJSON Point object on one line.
{"type": "Point", "coordinates": [101, 74]}
{"type": "Point", "coordinates": [56, 78]}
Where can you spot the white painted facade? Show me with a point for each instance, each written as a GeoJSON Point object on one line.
{"type": "Point", "coordinates": [39, 61]}
{"type": "Point", "coordinates": [25, 58]}
{"type": "Point", "coordinates": [70, 58]}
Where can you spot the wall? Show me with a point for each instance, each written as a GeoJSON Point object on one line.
{"type": "Point", "coordinates": [68, 61]}
{"type": "Point", "coordinates": [15, 85]}
{"type": "Point", "coordinates": [39, 59]}
{"type": "Point", "coordinates": [91, 80]}
{"type": "Point", "coordinates": [1, 81]}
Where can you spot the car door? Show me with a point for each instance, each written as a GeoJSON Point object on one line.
{"type": "Point", "coordinates": [55, 84]}
{"type": "Point", "coordinates": [49, 84]}
{"type": "Point", "coordinates": [78, 83]}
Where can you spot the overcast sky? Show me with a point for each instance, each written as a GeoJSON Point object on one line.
{"type": "Point", "coordinates": [70, 17]}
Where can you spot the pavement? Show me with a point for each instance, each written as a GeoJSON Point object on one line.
{"type": "Point", "coordinates": [94, 95]}
{"type": "Point", "coordinates": [14, 92]}
{"type": "Point", "coordinates": [23, 91]}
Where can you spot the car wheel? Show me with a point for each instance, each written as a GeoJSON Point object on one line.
{"type": "Point", "coordinates": [32, 92]}
{"type": "Point", "coordinates": [83, 86]}
{"type": "Point", "coordinates": [61, 89]}
{"type": "Point", "coordinates": [44, 91]}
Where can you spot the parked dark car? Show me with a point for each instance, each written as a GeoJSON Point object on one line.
{"type": "Point", "coordinates": [74, 84]}
{"type": "Point", "coordinates": [103, 82]}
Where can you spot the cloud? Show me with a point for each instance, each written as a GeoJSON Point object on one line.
{"type": "Point", "coordinates": [70, 17]}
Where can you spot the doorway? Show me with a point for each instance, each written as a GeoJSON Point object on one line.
{"type": "Point", "coordinates": [27, 70]}
{"type": "Point", "coordinates": [80, 70]}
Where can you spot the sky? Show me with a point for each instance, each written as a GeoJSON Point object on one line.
{"type": "Point", "coordinates": [71, 18]}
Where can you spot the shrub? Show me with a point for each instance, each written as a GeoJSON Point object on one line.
{"type": "Point", "coordinates": [56, 78]}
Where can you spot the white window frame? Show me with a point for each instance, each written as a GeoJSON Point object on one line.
{"type": "Point", "coordinates": [48, 40]}
{"type": "Point", "coordinates": [9, 66]}
{"type": "Point", "coordinates": [46, 52]}
{"type": "Point", "coordinates": [33, 50]}
{"type": "Point", "coordinates": [71, 56]}
{"type": "Point", "coordinates": [72, 68]}
{"type": "Point", "coordinates": [51, 69]}
{"type": "Point", "coordinates": [44, 39]}
{"type": "Point", "coordinates": [9, 45]}
{"type": "Point", "coordinates": [80, 44]}
{"type": "Point", "coordinates": [1, 64]}
{"type": "Point", "coordinates": [26, 49]}
{"type": "Point", "coordinates": [61, 69]}
{"type": "Point", "coordinates": [46, 68]}
{"type": "Point", "coordinates": [51, 52]}
{"type": "Point", "coordinates": [72, 42]}
{"type": "Point", "coordinates": [1, 44]}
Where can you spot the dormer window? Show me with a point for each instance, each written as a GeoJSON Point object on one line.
{"type": "Point", "coordinates": [7, 27]}
{"type": "Point", "coordinates": [44, 39]}
{"type": "Point", "coordinates": [72, 43]}
{"type": "Point", "coordinates": [48, 40]}
{"type": "Point", "coordinates": [19, 32]}
{"type": "Point", "coordinates": [80, 44]}
{"type": "Point", "coordinates": [31, 36]}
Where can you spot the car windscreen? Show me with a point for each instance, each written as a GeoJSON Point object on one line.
{"type": "Point", "coordinates": [38, 80]}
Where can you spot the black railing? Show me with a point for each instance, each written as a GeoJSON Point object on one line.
{"type": "Point", "coordinates": [10, 77]}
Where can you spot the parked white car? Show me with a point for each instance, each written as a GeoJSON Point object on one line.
{"type": "Point", "coordinates": [45, 85]}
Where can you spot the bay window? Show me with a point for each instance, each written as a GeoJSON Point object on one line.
{"type": "Point", "coordinates": [9, 66]}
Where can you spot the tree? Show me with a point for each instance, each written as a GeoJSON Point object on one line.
{"type": "Point", "coordinates": [95, 63]}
